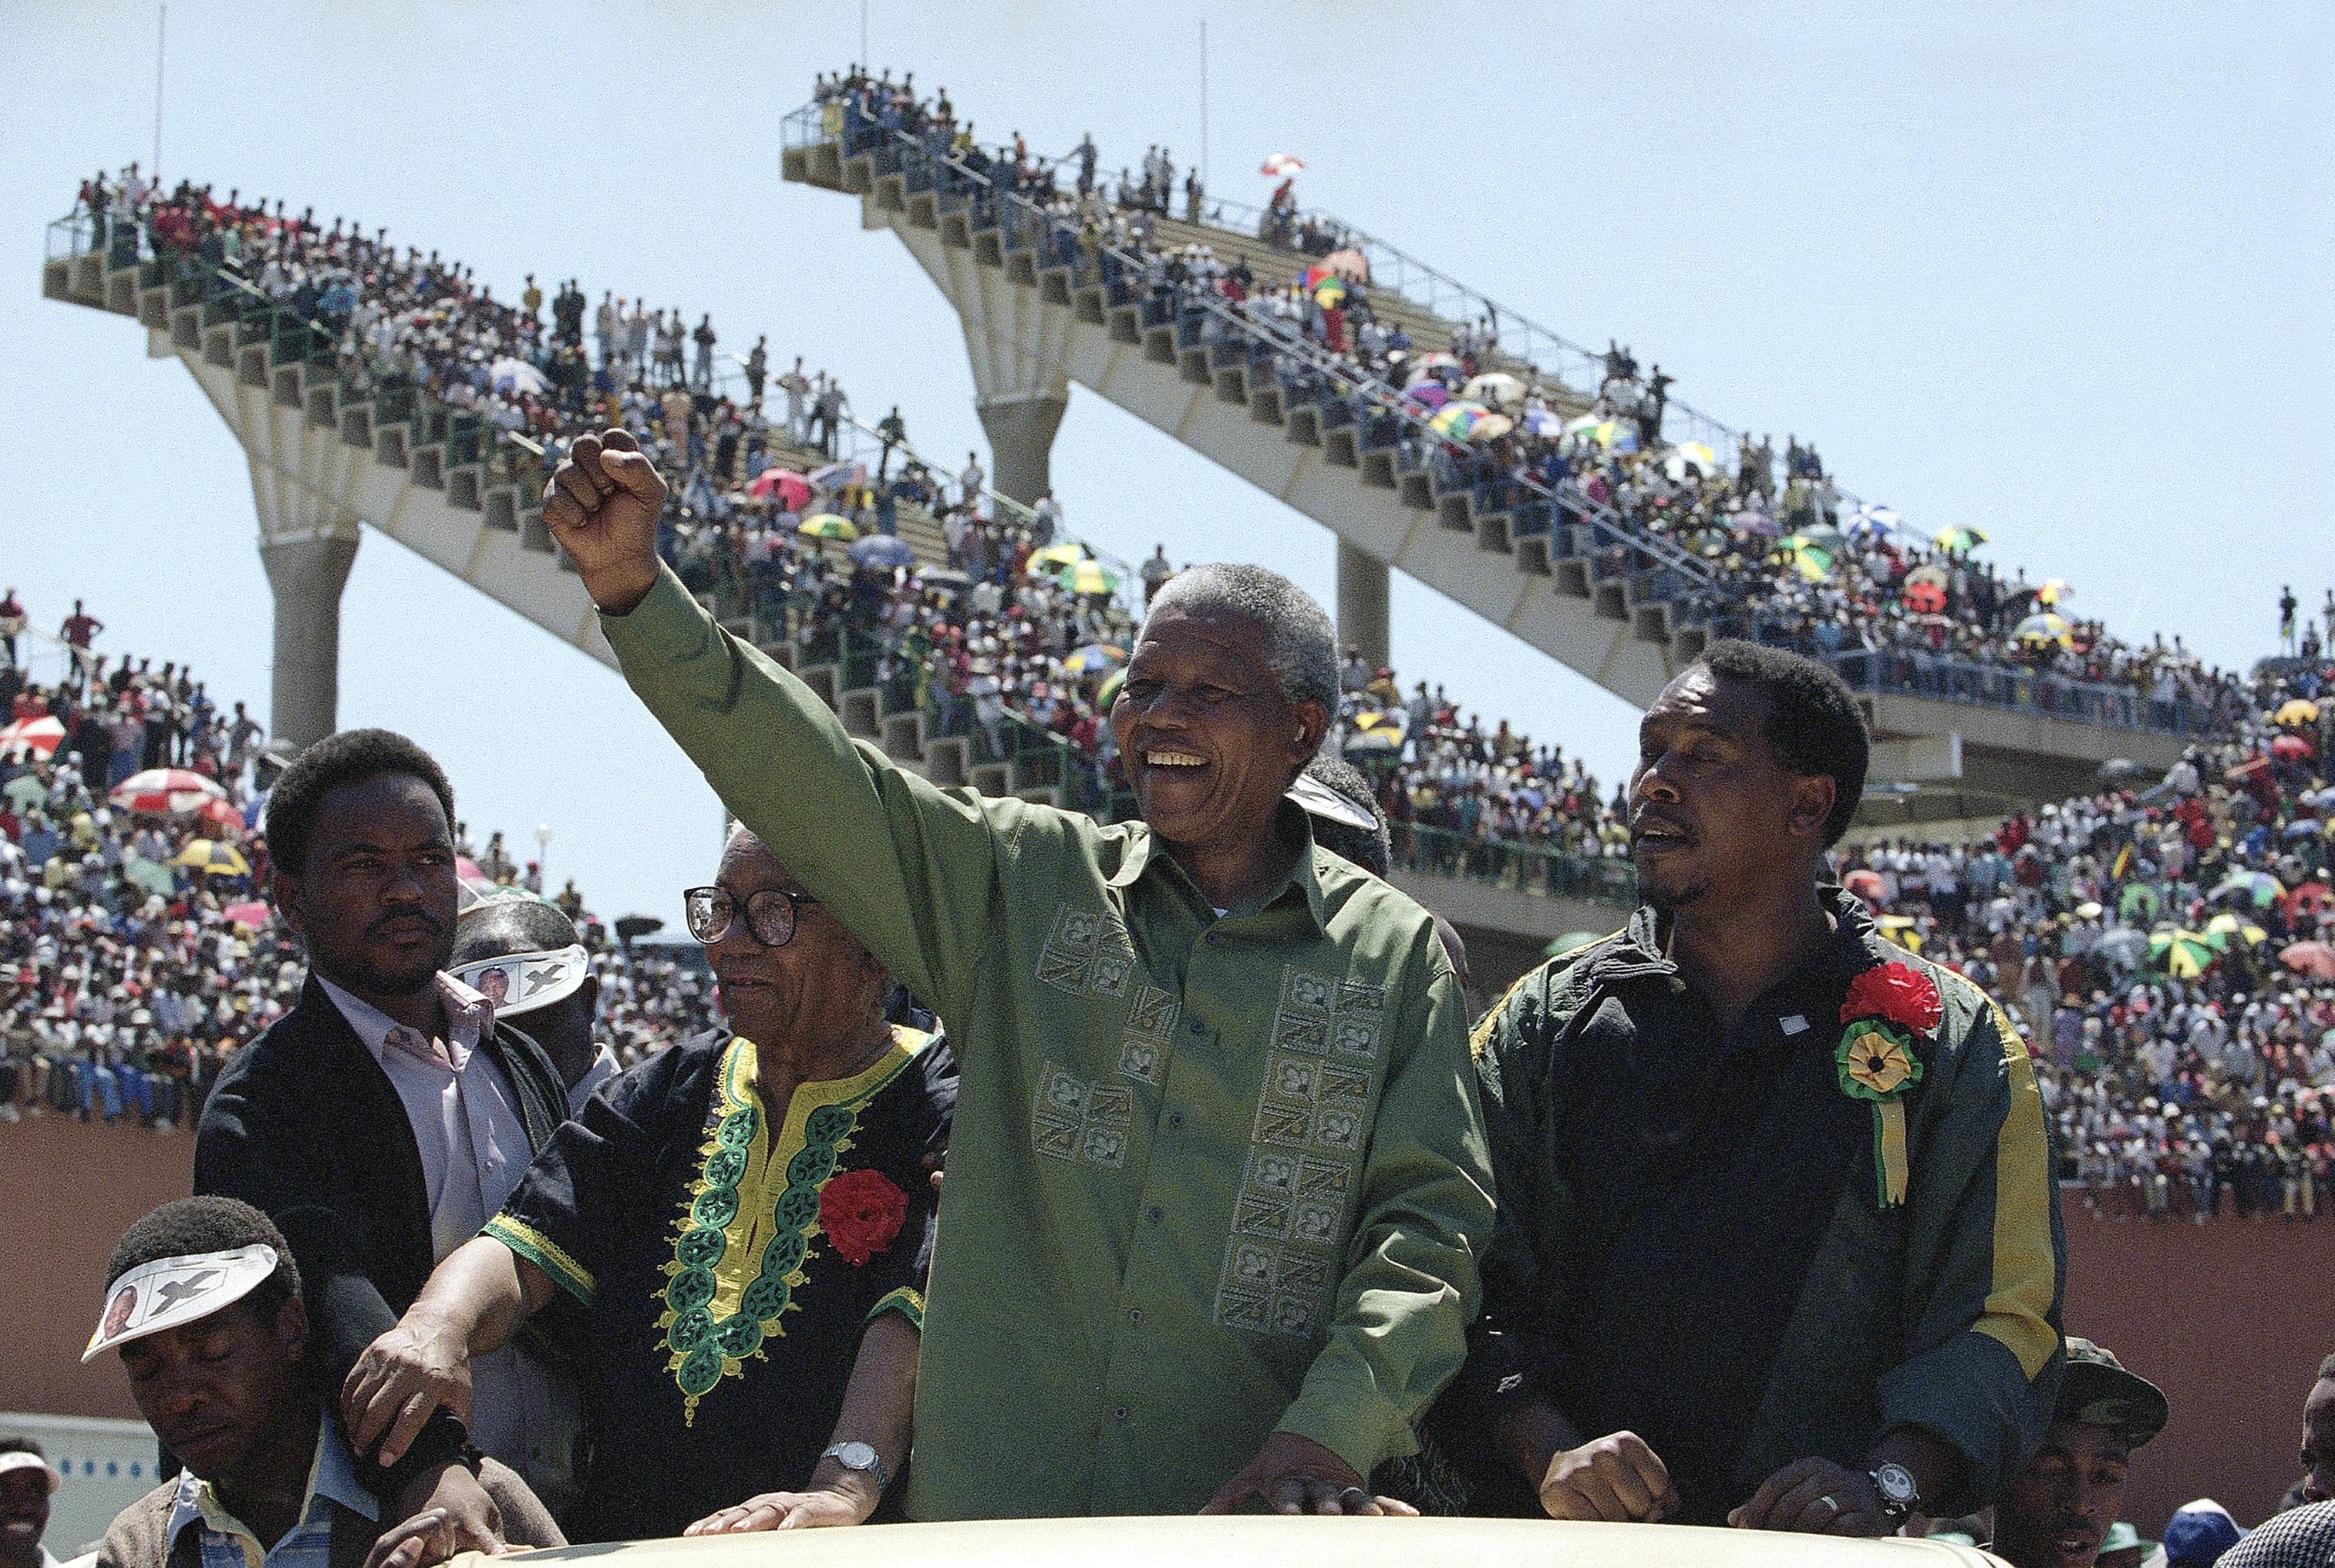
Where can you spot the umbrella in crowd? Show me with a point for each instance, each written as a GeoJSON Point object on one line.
{"type": "Point", "coordinates": [1958, 541]}
{"type": "Point", "coordinates": [834, 476]}
{"type": "Point", "coordinates": [1084, 577]}
{"type": "Point", "coordinates": [2139, 901]}
{"type": "Point", "coordinates": [166, 792]}
{"type": "Point", "coordinates": [1612, 435]}
{"type": "Point", "coordinates": [1278, 164]}
{"type": "Point", "coordinates": [223, 817]}
{"type": "Point", "coordinates": [1690, 456]}
{"type": "Point", "coordinates": [2053, 591]}
{"type": "Point", "coordinates": [24, 791]}
{"type": "Point", "coordinates": [2290, 748]}
{"type": "Point", "coordinates": [827, 525]}
{"type": "Point", "coordinates": [1330, 292]}
{"type": "Point", "coordinates": [1108, 693]}
{"type": "Point", "coordinates": [1457, 418]}
{"type": "Point", "coordinates": [1491, 428]}
{"type": "Point", "coordinates": [1869, 521]}
{"type": "Point", "coordinates": [2315, 959]}
{"type": "Point", "coordinates": [2226, 925]}
{"type": "Point", "coordinates": [511, 375]}
{"type": "Point", "coordinates": [882, 550]}
{"type": "Point", "coordinates": [1429, 394]}
{"type": "Point", "coordinates": [212, 858]}
{"type": "Point", "coordinates": [2307, 899]}
{"type": "Point", "coordinates": [1496, 388]}
{"type": "Point", "coordinates": [252, 914]}
{"type": "Point", "coordinates": [1899, 929]}
{"type": "Point", "coordinates": [38, 737]}
{"type": "Point", "coordinates": [1095, 658]}
{"type": "Point", "coordinates": [2296, 710]}
{"type": "Point", "coordinates": [2124, 947]}
{"type": "Point", "coordinates": [2259, 887]}
{"type": "Point", "coordinates": [1810, 559]}
{"type": "Point", "coordinates": [1349, 264]}
{"type": "Point", "coordinates": [1541, 423]}
{"type": "Point", "coordinates": [2037, 630]}
{"type": "Point", "coordinates": [2183, 954]}
{"type": "Point", "coordinates": [1924, 598]}
{"type": "Point", "coordinates": [1069, 553]}
{"type": "Point", "coordinates": [155, 879]}
{"type": "Point", "coordinates": [790, 489]}
{"type": "Point", "coordinates": [1424, 367]}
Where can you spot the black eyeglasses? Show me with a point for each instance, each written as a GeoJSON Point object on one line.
{"type": "Point", "coordinates": [770, 914]}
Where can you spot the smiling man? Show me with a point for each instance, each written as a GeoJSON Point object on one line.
{"type": "Point", "coordinates": [1777, 1242]}
{"type": "Point", "coordinates": [1217, 1168]}
{"type": "Point", "coordinates": [388, 1115]}
{"type": "Point", "coordinates": [27, 1482]}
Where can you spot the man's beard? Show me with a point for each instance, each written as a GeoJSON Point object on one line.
{"type": "Point", "coordinates": [1670, 900]}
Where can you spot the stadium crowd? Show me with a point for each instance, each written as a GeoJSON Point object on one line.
{"type": "Point", "coordinates": [137, 953]}
{"type": "Point", "coordinates": [1783, 561]}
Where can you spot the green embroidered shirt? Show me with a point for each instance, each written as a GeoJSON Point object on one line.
{"type": "Point", "coordinates": [1209, 1178]}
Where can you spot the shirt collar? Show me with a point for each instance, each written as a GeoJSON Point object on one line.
{"type": "Point", "coordinates": [1855, 937]}
{"type": "Point", "coordinates": [603, 1067]}
{"type": "Point", "coordinates": [469, 1018]}
{"type": "Point", "coordinates": [332, 1478]}
{"type": "Point", "coordinates": [1143, 844]}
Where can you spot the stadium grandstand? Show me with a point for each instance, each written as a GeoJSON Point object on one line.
{"type": "Point", "coordinates": [2162, 937]}
{"type": "Point", "coordinates": [1560, 493]}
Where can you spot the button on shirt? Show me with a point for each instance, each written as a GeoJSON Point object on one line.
{"type": "Point", "coordinates": [228, 1542]}
{"type": "Point", "coordinates": [473, 1144]}
{"type": "Point", "coordinates": [1211, 1189]}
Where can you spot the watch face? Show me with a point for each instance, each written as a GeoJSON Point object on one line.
{"type": "Point", "coordinates": [855, 1456]}
{"type": "Point", "coordinates": [1895, 1483]}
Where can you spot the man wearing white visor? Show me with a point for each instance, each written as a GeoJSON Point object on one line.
{"type": "Point", "coordinates": [27, 1481]}
{"type": "Point", "coordinates": [203, 1305]}
{"type": "Point", "coordinates": [523, 954]}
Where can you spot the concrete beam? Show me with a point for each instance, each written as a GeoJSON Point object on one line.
{"type": "Point", "coordinates": [1021, 443]}
{"type": "Point", "coordinates": [1917, 759]}
{"type": "Point", "coordinates": [306, 576]}
{"type": "Point", "coordinates": [1363, 603]}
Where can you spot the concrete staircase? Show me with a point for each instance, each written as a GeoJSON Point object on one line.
{"type": "Point", "coordinates": [1624, 609]}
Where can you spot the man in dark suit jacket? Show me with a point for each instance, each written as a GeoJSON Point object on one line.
{"type": "Point", "coordinates": [387, 1116]}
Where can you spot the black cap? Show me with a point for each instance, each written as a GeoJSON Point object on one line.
{"type": "Point", "coordinates": [2099, 1392]}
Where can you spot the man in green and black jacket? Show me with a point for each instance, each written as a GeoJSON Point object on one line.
{"type": "Point", "coordinates": [1777, 1243]}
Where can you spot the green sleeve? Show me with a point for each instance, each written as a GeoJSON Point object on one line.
{"type": "Point", "coordinates": [1985, 1259]}
{"type": "Point", "coordinates": [1411, 1286]}
{"type": "Point", "coordinates": [909, 869]}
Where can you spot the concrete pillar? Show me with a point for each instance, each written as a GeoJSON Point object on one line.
{"type": "Point", "coordinates": [1021, 443]}
{"type": "Point", "coordinates": [1362, 603]}
{"type": "Point", "coordinates": [306, 576]}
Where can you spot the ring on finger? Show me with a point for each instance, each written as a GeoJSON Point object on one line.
{"type": "Point", "coordinates": [1832, 1506]}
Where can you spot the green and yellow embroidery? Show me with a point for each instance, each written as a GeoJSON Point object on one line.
{"type": "Point", "coordinates": [738, 1216]}
{"type": "Point", "coordinates": [544, 1254]}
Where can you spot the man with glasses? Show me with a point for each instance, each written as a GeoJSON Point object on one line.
{"type": "Point", "coordinates": [1221, 1169]}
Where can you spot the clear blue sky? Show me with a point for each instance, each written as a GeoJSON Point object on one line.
{"type": "Point", "coordinates": [2057, 272]}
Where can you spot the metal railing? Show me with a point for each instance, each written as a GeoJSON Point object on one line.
{"type": "Point", "coordinates": [1517, 865]}
{"type": "Point", "coordinates": [1943, 679]}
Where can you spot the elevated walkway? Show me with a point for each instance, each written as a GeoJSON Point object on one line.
{"type": "Point", "coordinates": [329, 459]}
{"type": "Point", "coordinates": [1626, 609]}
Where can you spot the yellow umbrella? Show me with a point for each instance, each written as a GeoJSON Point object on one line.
{"type": "Point", "coordinates": [2046, 627]}
{"type": "Point", "coordinates": [1067, 554]}
{"type": "Point", "coordinates": [2052, 592]}
{"type": "Point", "coordinates": [827, 525]}
{"type": "Point", "coordinates": [212, 858]}
{"type": "Point", "coordinates": [2226, 925]}
{"type": "Point", "coordinates": [2296, 710]}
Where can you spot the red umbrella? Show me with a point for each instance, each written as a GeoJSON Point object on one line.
{"type": "Point", "coordinates": [2308, 898]}
{"type": "Point", "coordinates": [40, 736]}
{"type": "Point", "coordinates": [1925, 597]}
{"type": "Point", "coordinates": [2315, 959]}
{"type": "Point", "coordinates": [2290, 746]}
{"type": "Point", "coordinates": [167, 792]}
{"type": "Point", "coordinates": [253, 914]}
{"type": "Point", "coordinates": [223, 815]}
{"type": "Point", "coordinates": [1867, 885]}
{"type": "Point", "coordinates": [791, 488]}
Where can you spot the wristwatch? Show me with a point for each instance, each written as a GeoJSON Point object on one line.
{"type": "Point", "coordinates": [1900, 1493]}
{"type": "Point", "coordinates": [862, 1457]}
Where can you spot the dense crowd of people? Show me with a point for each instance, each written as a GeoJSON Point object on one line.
{"type": "Point", "coordinates": [1781, 560]}
{"type": "Point", "coordinates": [137, 951]}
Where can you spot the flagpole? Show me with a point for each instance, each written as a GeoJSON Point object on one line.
{"type": "Point", "coordinates": [1203, 104]}
{"type": "Point", "coordinates": [162, 33]}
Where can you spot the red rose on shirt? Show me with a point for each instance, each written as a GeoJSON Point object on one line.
{"type": "Point", "coordinates": [861, 1211]}
{"type": "Point", "coordinates": [1897, 991]}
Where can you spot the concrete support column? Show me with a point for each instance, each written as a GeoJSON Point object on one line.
{"type": "Point", "coordinates": [1021, 443]}
{"type": "Point", "coordinates": [307, 575]}
{"type": "Point", "coordinates": [1363, 603]}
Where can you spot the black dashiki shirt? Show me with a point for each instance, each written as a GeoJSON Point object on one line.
{"type": "Point", "coordinates": [725, 1308]}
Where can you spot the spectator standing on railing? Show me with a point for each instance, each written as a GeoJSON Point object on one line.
{"type": "Point", "coordinates": [758, 370]}
{"type": "Point", "coordinates": [704, 338]}
{"type": "Point", "coordinates": [892, 431]}
{"type": "Point", "coordinates": [1155, 573]}
{"type": "Point", "coordinates": [80, 630]}
{"type": "Point", "coordinates": [12, 623]}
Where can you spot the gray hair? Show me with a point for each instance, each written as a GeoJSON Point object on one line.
{"type": "Point", "coordinates": [1305, 656]}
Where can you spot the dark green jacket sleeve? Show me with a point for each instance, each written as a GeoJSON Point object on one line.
{"type": "Point", "coordinates": [909, 869]}
{"type": "Point", "coordinates": [1985, 1257]}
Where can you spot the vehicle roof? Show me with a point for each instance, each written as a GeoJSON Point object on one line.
{"type": "Point", "coordinates": [1270, 1542]}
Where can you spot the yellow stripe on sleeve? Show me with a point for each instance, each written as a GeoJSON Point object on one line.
{"type": "Point", "coordinates": [909, 1304]}
{"type": "Point", "coordinates": [544, 1252]}
{"type": "Point", "coordinates": [2018, 1310]}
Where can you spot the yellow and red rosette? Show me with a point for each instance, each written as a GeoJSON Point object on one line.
{"type": "Point", "coordinates": [1889, 1009]}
